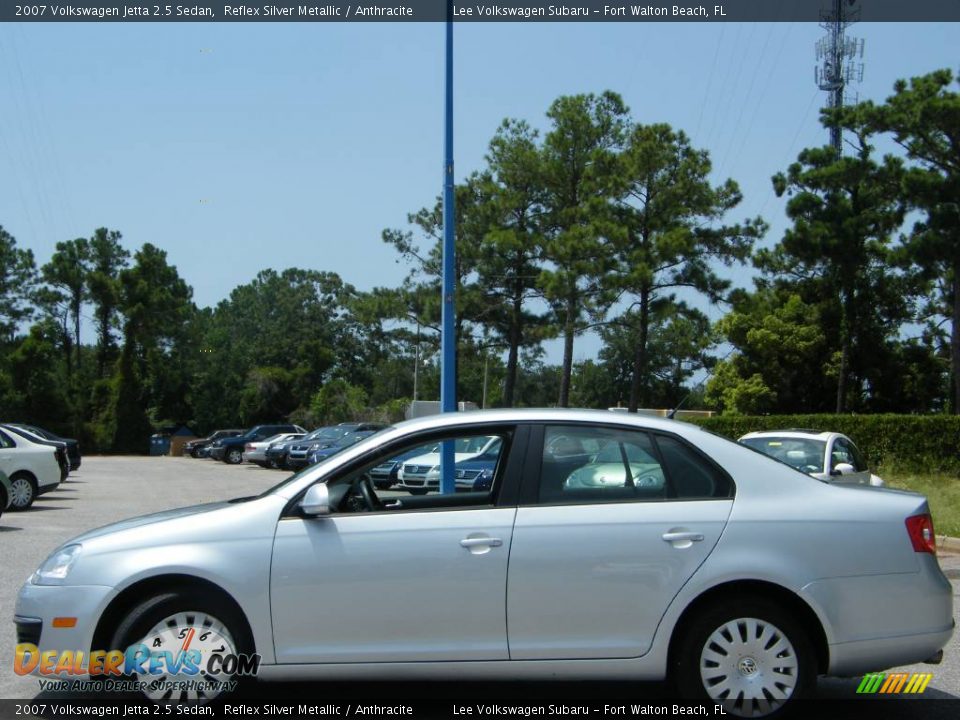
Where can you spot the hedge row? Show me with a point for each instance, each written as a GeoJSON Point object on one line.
{"type": "Point", "coordinates": [912, 443]}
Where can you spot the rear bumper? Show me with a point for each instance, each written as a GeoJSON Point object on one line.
{"type": "Point", "coordinates": [857, 658]}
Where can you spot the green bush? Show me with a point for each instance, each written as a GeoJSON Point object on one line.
{"type": "Point", "coordinates": [910, 443]}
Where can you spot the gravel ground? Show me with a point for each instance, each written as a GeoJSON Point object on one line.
{"type": "Point", "coordinates": [106, 489]}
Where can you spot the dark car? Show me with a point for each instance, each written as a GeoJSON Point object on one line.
{"type": "Point", "coordinates": [230, 449]}
{"type": "Point", "coordinates": [195, 448]}
{"type": "Point", "coordinates": [73, 446]}
{"type": "Point", "coordinates": [59, 447]}
{"type": "Point", "coordinates": [477, 473]}
{"type": "Point", "coordinates": [297, 455]}
{"type": "Point", "coordinates": [277, 453]}
{"type": "Point", "coordinates": [343, 443]}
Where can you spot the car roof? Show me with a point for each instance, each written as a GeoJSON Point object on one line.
{"type": "Point", "coordinates": [798, 433]}
{"type": "Point", "coordinates": [545, 415]}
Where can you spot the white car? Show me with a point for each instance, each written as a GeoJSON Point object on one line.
{"type": "Point", "coordinates": [828, 456]}
{"type": "Point", "coordinates": [256, 452]}
{"type": "Point", "coordinates": [32, 468]}
{"type": "Point", "coordinates": [421, 474]}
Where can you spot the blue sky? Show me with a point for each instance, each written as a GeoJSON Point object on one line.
{"type": "Point", "coordinates": [237, 147]}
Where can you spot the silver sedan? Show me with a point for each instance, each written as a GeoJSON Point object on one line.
{"type": "Point", "coordinates": [735, 575]}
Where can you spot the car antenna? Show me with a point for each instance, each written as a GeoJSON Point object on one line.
{"type": "Point", "coordinates": [672, 414]}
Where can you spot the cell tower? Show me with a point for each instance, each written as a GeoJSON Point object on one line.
{"type": "Point", "coordinates": [839, 59]}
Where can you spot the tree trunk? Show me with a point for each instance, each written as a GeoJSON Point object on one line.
{"type": "Point", "coordinates": [845, 301]}
{"type": "Point", "coordinates": [955, 340]}
{"type": "Point", "coordinates": [513, 353]}
{"type": "Point", "coordinates": [568, 333]}
{"type": "Point", "coordinates": [76, 328]}
{"type": "Point", "coordinates": [638, 394]}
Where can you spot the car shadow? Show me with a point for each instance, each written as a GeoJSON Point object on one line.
{"type": "Point", "coordinates": [8, 528]}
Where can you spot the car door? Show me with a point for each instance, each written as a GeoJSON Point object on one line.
{"type": "Point", "coordinates": [424, 579]}
{"type": "Point", "coordinates": [601, 546]}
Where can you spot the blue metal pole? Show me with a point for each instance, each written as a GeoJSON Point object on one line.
{"type": "Point", "coordinates": [448, 342]}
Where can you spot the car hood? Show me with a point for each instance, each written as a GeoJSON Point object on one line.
{"type": "Point", "coordinates": [144, 520]}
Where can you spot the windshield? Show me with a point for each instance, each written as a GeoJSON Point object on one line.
{"type": "Point", "coordinates": [803, 454]}
{"type": "Point", "coordinates": [328, 433]}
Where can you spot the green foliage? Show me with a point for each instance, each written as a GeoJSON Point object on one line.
{"type": "Point", "coordinates": [913, 443]}
{"type": "Point", "coordinates": [17, 276]}
{"type": "Point", "coordinates": [338, 401]}
{"type": "Point", "coordinates": [669, 211]}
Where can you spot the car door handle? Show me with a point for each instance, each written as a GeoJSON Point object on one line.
{"type": "Point", "coordinates": [681, 536]}
{"type": "Point", "coordinates": [478, 542]}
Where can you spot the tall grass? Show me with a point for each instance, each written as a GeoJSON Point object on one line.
{"type": "Point", "coordinates": [942, 491]}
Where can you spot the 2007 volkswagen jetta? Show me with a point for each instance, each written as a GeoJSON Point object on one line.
{"type": "Point", "coordinates": [608, 547]}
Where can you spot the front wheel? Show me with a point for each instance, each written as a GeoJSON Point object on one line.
{"type": "Point", "coordinates": [203, 639]}
{"type": "Point", "coordinates": [748, 655]}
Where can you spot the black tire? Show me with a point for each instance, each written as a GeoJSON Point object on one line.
{"type": "Point", "coordinates": [417, 491]}
{"type": "Point", "coordinates": [233, 456]}
{"type": "Point", "coordinates": [135, 625]}
{"type": "Point", "coordinates": [195, 453]}
{"type": "Point", "coordinates": [24, 491]}
{"type": "Point", "coordinates": [778, 660]}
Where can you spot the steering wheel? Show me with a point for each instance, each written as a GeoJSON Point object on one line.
{"type": "Point", "coordinates": [648, 480]}
{"type": "Point", "coordinates": [364, 486]}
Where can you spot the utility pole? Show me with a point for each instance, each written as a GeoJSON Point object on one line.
{"type": "Point", "coordinates": [838, 57]}
{"type": "Point", "coordinates": [448, 340]}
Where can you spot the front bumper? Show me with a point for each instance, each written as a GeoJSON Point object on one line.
{"type": "Point", "coordinates": [38, 605]}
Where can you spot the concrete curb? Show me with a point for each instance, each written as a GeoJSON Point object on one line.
{"type": "Point", "coordinates": [949, 544]}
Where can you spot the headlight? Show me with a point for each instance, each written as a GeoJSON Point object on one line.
{"type": "Point", "coordinates": [56, 567]}
{"type": "Point", "coordinates": [486, 474]}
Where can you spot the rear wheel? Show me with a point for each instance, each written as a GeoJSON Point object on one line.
{"type": "Point", "coordinates": [24, 491]}
{"type": "Point", "coordinates": [234, 456]}
{"type": "Point", "coordinates": [748, 655]}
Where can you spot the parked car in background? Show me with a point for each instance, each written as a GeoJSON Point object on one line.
{"type": "Point", "coordinates": [72, 446]}
{"type": "Point", "coordinates": [277, 452]}
{"type": "Point", "coordinates": [33, 468]}
{"type": "Point", "coordinates": [298, 452]}
{"type": "Point", "coordinates": [346, 441]}
{"type": "Point", "coordinates": [742, 579]}
{"type": "Point", "coordinates": [6, 492]}
{"type": "Point", "coordinates": [476, 474]}
{"type": "Point", "coordinates": [59, 447]}
{"type": "Point", "coordinates": [384, 475]}
{"type": "Point", "coordinates": [828, 456]}
{"type": "Point", "coordinates": [230, 450]}
{"type": "Point", "coordinates": [420, 475]}
{"type": "Point", "coordinates": [196, 448]}
{"type": "Point", "coordinates": [256, 452]}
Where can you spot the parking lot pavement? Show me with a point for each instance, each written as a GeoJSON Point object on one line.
{"type": "Point", "coordinates": [107, 489]}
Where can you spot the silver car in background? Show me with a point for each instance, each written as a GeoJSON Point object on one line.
{"type": "Point", "coordinates": [690, 557]}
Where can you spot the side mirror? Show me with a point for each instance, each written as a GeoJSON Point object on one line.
{"type": "Point", "coordinates": [317, 501]}
{"type": "Point", "coordinates": [843, 469]}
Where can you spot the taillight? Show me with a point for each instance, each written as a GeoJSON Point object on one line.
{"type": "Point", "coordinates": [248, 447]}
{"type": "Point", "coordinates": [920, 530]}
